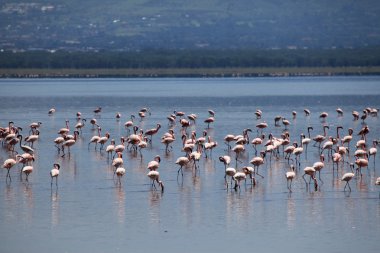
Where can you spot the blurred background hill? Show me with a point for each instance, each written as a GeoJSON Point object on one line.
{"type": "Point", "coordinates": [133, 25]}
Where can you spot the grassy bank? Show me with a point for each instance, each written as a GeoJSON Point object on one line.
{"type": "Point", "coordinates": [188, 72]}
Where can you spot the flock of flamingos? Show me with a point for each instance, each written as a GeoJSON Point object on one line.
{"type": "Point", "coordinates": [335, 150]}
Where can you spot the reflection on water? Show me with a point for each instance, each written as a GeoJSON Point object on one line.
{"type": "Point", "coordinates": [291, 213]}
{"type": "Point", "coordinates": [54, 207]}
{"type": "Point", "coordinates": [120, 203]}
{"type": "Point", "coordinates": [154, 206]}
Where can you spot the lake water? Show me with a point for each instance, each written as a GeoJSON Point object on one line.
{"type": "Point", "coordinates": [90, 212]}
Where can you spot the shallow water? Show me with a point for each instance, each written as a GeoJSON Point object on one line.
{"type": "Point", "coordinates": [90, 212]}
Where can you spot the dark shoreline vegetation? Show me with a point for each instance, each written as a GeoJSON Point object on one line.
{"type": "Point", "coordinates": [190, 63]}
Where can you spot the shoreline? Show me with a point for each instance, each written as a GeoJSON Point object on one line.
{"type": "Point", "coordinates": [188, 72]}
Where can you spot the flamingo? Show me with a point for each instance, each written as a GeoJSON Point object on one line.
{"type": "Point", "coordinates": [142, 145]}
{"type": "Point", "coordinates": [51, 111]}
{"type": "Point", "coordinates": [25, 148]}
{"type": "Point", "coordinates": [339, 111]}
{"type": "Point", "coordinates": [323, 116]}
{"type": "Point", "coordinates": [356, 115]}
{"type": "Point", "coordinates": [238, 149]}
{"type": "Point", "coordinates": [27, 170]}
{"type": "Point", "coordinates": [25, 159]}
{"type": "Point", "coordinates": [64, 130]}
{"type": "Point", "coordinates": [118, 161]}
{"type": "Point", "coordinates": [195, 156]}
{"type": "Point", "coordinates": [192, 117]}
{"type": "Point", "coordinates": [294, 114]}
{"type": "Point", "coordinates": [32, 138]}
{"type": "Point", "coordinates": [209, 120]}
{"type": "Point", "coordinates": [347, 139]}
{"type": "Point", "coordinates": [311, 172]}
{"type": "Point", "coordinates": [320, 138]}
{"type": "Point", "coordinates": [155, 177]}
{"type": "Point", "coordinates": [129, 123]}
{"type": "Point", "coordinates": [120, 171]}
{"type": "Point", "coordinates": [258, 114]}
{"type": "Point", "coordinates": [261, 126]}
{"type": "Point", "coordinates": [229, 172]}
{"type": "Point", "coordinates": [181, 161]}
{"type": "Point", "coordinates": [54, 173]}
{"type": "Point", "coordinates": [210, 145]}
{"type": "Point", "coordinates": [167, 139]}
{"type": "Point", "coordinates": [363, 132]}
{"type": "Point", "coordinates": [290, 175]}
{"type": "Point", "coordinates": [286, 123]}
{"type": "Point", "coordinates": [8, 164]}
{"type": "Point", "coordinates": [248, 170]}
{"type": "Point", "coordinates": [226, 160]}
{"type": "Point", "coordinates": [372, 151]}
{"type": "Point", "coordinates": [110, 148]}
{"type": "Point", "coordinates": [318, 166]}
{"type": "Point", "coordinates": [276, 120]}
{"type": "Point", "coordinates": [238, 177]}
{"type": "Point", "coordinates": [361, 162]}
{"type": "Point", "coordinates": [152, 132]}
{"type": "Point", "coordinates": [307, 112]}
{"type": "Point", "coordinates": [306, 140]}
{"type": "Point", "coordinates": [97, 110]}
{"type": "Point", "coordinates": [257, 141]}
{"type": "Point", "coordinates": [155, 164]}
{"type": "Point", "coordinates": [118, 115]}
{"type": "Point", "coordinates": [34, 126]}
{"type": "Point", "coordinates": [257, 161]}
{"type": "Point", "coordinates": [80, 125]}
{"type": "Point", "coordinates": [69, 143]}
{"type": "Point", "coordinates": [58, 142]}
{"type": "Point", "coordinates": [103, 140]}
{"type": "Point", "coordinates": [347, 177]}
{"type": "Point", "coordinates": [297, 152]}
{"type": "Point", "coordinates": [95, 139]}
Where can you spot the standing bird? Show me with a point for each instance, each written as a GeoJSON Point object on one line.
{"type": "Point", "coordinates": [80, 125]}
{"type": "Point", "coordinates": [69, 143]}
{"type": "Point", "coordinates": [32, 138]}
{"type": "Point", "coordinates": [348, 176]}
{"type": "Point", "coordinates": [257, 161]}
{"type": "Point", "coordinates": [129, 123]}
{"type": "Point", "coordinates": [118, 161]}
{"type": "Point", "coordinates": [226, 160]}
{"type": "Point", "coordinates": [238, 177]}
{"type": "Point", "coordinates": [120, 171]}
{"type": "Point", "coordinates": [290, 175]}
{"type": "Point", "coordinates": [54, 173]}
{"type": "Point", "coordinates": [27, 170]}
{"type": "Point", "coordinates": [238, 149]}
{"type": "Point", "coordinates": [181, 161]}
{"type": "Point", "coordinates": [152, 132]}
{"type": "Point", "coordinates": [8, 164]}
{"type": "Point", "coordinates": [318, 166]}
{"type": "Point", "coordinates": [103, 140]}
{"type": "Point", "coordinates": [311, 172]}
{"type": "Point", "coordinates": [155, 164]}
{"type": "Point", "coordinates": [97, 110]}
{"type": "Point", "coordinates": [209, 120]}
{"type": "Point", "coordinates": [95, 138]}
{"type": "Point", "coordinates": [339, 111]}
{"type": "Point", "coordinates": [373, 151]}
{"type": "Point", "coordinates": [51, 111]}
{"type": "Point", "coordinates": [155, 177]}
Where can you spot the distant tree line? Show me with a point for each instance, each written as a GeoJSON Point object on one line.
{"type": "Point", "coordinates": [192, 58]}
